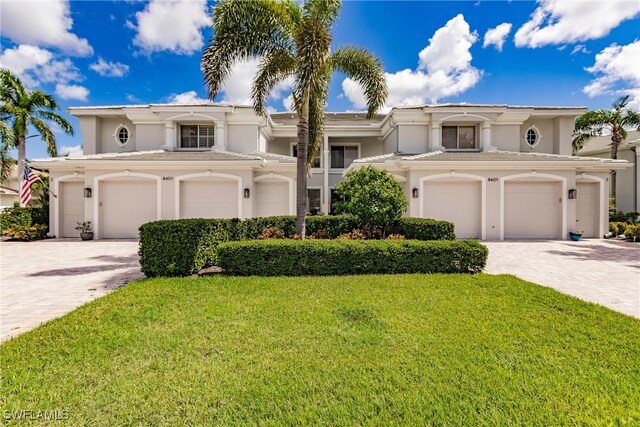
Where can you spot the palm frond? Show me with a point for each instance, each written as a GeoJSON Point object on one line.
{"type": "Point", "coordinates": [325, 12]}
{"type": "Point", "coordinates": [11, 87]}
{"type": "Point", "coordinates": [581, 137]}
{"type": "Point", "coordinates": [64, 124]}
{"type": "Point", "coordinates": [244, 29]}
{"type": "Point", "coordinates": [6, 164]}
{"type": "Point", "coordinates": [274, 68]}
{"type": "Point", "coordinates": [365, 69]}
{"type": "Point", "coordinates": [46, 134]}
{"type": "Point", "coordinates": [38, 99]}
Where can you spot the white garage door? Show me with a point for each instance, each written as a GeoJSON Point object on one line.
{"type": "Point", "coordinates": [458, 202]}
{"type": "Point", "coordinates": [71, 207]}
{"type": "Point", "coordinates": [272, 198]}
{"type": "Point", "coordinates": [125, 206]}
{"type": "Point", "coordinates": [209, 199]}
{"type": "Point", "coordinates": [586, 208]}
{"type": "Point", "coordinates": [531, 210]}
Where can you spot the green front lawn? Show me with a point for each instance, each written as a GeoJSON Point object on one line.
{"type": "Point", "coordinates": [453, 350]}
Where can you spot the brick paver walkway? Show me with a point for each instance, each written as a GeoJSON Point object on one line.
{"type": "Point", "coordinates": [601, 271]}
{"type": "Point", "coordinates": [43, 280]}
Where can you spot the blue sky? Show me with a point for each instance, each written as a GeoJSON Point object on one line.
{"type": "Point", "coordinates": [550, 52]}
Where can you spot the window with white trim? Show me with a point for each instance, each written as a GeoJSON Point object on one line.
{"type": "Point", "coordinates": [459, 137]}
{"type": "Point", "coordinates": [122, 135]}
{"type": "Point", "coordinates": [316, 161]}
{"type": "Point", "coordinates": [532, 137]}
{"type": "Point", "coordinates": [343, 155]}
{"type": "Point", "coordinates": [197, 136]}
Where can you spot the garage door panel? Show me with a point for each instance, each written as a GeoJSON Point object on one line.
{"type": "Point", "coordinates": [532, 210]}
{"type": "Point", "coordinates": [209, 199]}
{"type": "Point", "coordinates": [72, 208]}
{"type": "Point", "coordinates": [458, 202]}
{"type": "Point", "coordinates": [586, 204]}
{"type": "Point", "coordinates": [125, 206]}
{"type": "Point", "coordinates": [272, 198]}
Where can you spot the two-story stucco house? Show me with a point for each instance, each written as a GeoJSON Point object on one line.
{"type": "Point", "coordinates": [496, 171]}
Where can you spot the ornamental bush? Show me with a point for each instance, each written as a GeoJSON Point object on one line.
{"type": "Point", "coordinates": [345, 257]}
{"type": "Point", "coordinates": [632, 232]}
{"type": "Point", "coordinates": [184, 247]}
{"type": "Point", "coordinates": [24, 223]}
{"type": "Point", "coordinates": [372, 196]}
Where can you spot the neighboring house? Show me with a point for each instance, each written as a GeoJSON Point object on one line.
{"type": "Point", "coordinates": [627, 180]}
{"type": "Point", "coordinates": [9, 190]}
{"type": "Point", "coordinates": [496, 171]}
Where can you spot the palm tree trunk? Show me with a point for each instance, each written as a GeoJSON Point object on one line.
{"type": "Point", "coordinates": [301, 171]}
{"type": "Point", "coordinates": [616, 138]}
{"type": "Point", "coordinates": [22, 157]}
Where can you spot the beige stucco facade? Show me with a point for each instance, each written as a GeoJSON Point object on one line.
{"type": "Point", "coordinates": [476, 165]}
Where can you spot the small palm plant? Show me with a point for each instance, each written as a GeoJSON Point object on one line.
{"type": "Point", "coordinates": [293, 40]}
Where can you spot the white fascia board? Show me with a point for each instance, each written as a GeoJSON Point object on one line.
{"type": "Point", "coordinates": [506, 165]}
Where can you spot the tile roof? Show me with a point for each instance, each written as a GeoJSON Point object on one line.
{"type": "Point", "coordinates": [603, 143]}
{"type": "Point", "coordinates": [162, 155]}
{"type": "Point", "coordinates": [335, 119]}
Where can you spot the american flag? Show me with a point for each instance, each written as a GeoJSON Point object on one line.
{"type": "Point", "coordinates": [28, 178]}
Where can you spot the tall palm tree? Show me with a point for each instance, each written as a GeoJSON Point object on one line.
{"type": "Point", "coordinates": [21, 108]}
{"type": "Point", "coordinates": [6, 162]}
{"type": "Point", "coordinates": [293, 41]}
{"type": "Point", "coordinates": [616, 120]}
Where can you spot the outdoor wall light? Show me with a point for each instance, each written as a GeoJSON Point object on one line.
{"type": "Point", "coordinates": [87, 193]}
{"type": "Point", "coordinates": [573, 193]}
{"type": "Point", "coordinates": [414, 193]}
{"type": "Point", "coordinates": [247, 193]}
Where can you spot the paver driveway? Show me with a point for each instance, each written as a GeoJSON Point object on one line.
{"type": "Point", "coordinates": [601, 271]}
{"type": "Point", "coordinates": [46, 279]}
{"type": "Point", "coordinates": [43, 280]}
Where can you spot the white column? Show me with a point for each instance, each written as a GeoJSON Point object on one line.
{"type": "Point", "coordinates": [221, 141]}
{"type": "Point", "coordinates": [436, 140]}
{"type": "Point", "coordinates": [487, 141]}
{"type": "Point", "coordinates": [325, 176]}
{"type": "Point", "coordinates": [169, 137]}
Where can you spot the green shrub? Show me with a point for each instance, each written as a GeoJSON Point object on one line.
{"type": "Point", "coordinates": [26, 233]}
{"type": "Point", "coordinates": [372, 196]}
{"type": "Point", "coordinates": [617, 228]}
{"type": "Point", "coordinates": [632, 232]}
{"type": "Point", "coordinates": [15, 217]}
{"type": "Point", "coordinates": [626, 217]}
{"type": "Point", "coordinates": [344, 257]}
{"type": "Point", "coordinates": [423, 229]}
{"type": "Point", "coordinates": [183, 247]}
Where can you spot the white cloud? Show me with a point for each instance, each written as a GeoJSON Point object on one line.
{"type": "Point", "coordinates": [41, 23]}
{"type": "Point", "coordinates": [35, 65]}
{"type": "Point", "coordinates": [570, 21]}
{"type": "Point", "coordinates": [444, 69]}
{"type": "Point", "coordinates": [190, 97]}
{"type": "Point", "coordinates": [236, 89]}
{"type": "Point", "coordinates": [109, 69]}
{"type": "Point", "coordinates": [580, 48]}
{"type": "Point", "coordinates": [172, 25]}
{"type": "Point", "coordinates": [76, 92]}
{"type": "Point", "coordinates": [617, 72]}
{"type": "Point", "coordinates": [74, 150]}
{"type": "Point", "coordinates": [496, 36]}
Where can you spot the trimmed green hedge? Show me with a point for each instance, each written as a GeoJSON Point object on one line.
{"type": "Point", "coordinates": [183, 247]}
{"type": "Point", "coordinates": [343, 257]}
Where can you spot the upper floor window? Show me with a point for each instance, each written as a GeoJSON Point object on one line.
{"type": "Point", "coordinates": [316, 161]}
{"type": "Point", "coordinates": [197, 136]}
{"type": "Point", "coordinates": [459, 137]}
{"type": "Point", "coordinates": [343, 155]}
{"type": "Point", "coordinates": [532, 136]}
{"type": "Point", "coordinates": [122, 135]}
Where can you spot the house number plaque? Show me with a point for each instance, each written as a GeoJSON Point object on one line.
{"type": "Point", "coordinates": [167, 178]}
{"type": "Point", "coordinates": [492, 179]}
